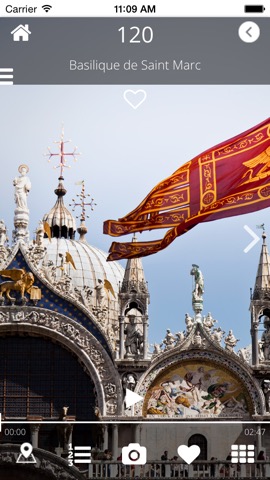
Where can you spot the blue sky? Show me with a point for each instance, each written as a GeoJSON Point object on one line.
{"type": "Point", "coordinates": [125, 152]}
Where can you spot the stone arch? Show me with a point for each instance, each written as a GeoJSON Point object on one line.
{"type": "Point", "coordinates": [200, 440]}
{"type": "Point", "coordinates": [228, 363]}
{"type": "Point", "coordinates": [130, 303]}
{"type": "Point", "coordinates": [264, 311]}
{"type": "Point", "coordinates": [259, 311]}
{"type": "Point", "coordinates": [76, 339]}
{"type": "Point", "coordinates": [202, 429]}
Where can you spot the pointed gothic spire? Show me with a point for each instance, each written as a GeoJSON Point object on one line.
{"type": "Point", "coordinates": [262, 281]}
{"type": "Point", "coordinates": [134, 297]}
{"type": "Point", "coordinates": [260, 300]}
{"type": "Point", "coordinates": [134, 279]}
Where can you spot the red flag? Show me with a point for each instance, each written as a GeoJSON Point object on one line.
{"type": "Point", "coordinates": [229, 179]}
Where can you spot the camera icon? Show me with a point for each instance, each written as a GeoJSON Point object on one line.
{"type": "Point", "coordinates": [134, 454]}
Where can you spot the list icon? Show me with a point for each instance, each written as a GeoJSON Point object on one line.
{"type": "Point", "coordinates": [79, 455]}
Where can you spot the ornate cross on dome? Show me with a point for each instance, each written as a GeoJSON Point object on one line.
{"type": "Point", "coordinates": [82, 196]}
{"type": "Point", "coordinates": [62, 154]}
{"type": "Point", "coordinates": [262, 227]}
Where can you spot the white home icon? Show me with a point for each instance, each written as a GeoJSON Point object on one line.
{"type": "Point", "coordinates": [21, 33]}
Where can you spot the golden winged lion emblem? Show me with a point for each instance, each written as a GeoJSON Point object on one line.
{"type": "Point", "coordinates": [21, 281]}
{"type": "Point", "coordinates": [255, 174]}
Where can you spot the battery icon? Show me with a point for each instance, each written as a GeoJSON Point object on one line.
{"type": "Point", "coordinates": [254, 8]}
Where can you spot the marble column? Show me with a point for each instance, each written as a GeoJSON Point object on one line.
{"type": "Point", "coordinates": [137, 433]}
{"type": "Point", "coordinates": [34, 428]}
{"type": "Point", "coordinates": [122, 335]}
{"type": "Point", "coordinates": [259, 437]}
{"type": "Point", "coordinates": [115, 441]}
{"type": "Point", "coordinates": [145, 337]}
{"type": "Point", "coordinates": [255, 349]}
{"type": "Point", "coordinates": [105, 437]}
{"type": "Point", "coordinates": [69, 439]}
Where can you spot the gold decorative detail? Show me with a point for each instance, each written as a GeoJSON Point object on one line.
{"type": "Point", "coordinates": [264, 192]}
{"type": "Point", "coordinates": [108, 287]}
{"type": "Point", "coordinates": [22, 282]}
{"type": "Point", "coordinates": [68, 259]}
{"type": "Point", "coordinates": [35, 293]}
{"type": "Point", "coordinates": [208, 198]}
{"type": "Point", "coordinates": [47, 230]}
{"type": "Point", "coordinates": [208, 187]}
{"type": "Point", "coordinates": [262, 159]}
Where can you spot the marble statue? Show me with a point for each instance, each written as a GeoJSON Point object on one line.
{"type": "Point", "coordinates": [218, 334]}
{"type": "Point", "coordinates": [100, 292]}
{"type": "Point", "coordinates": [189, 322]}
{"type": "Point", "coordinates": [265, 342]}
{"type": "Point", "coordinates": [169, 340]}
{"type": "Point", "coordinates": [129, 381]}
{"type": "Point", "coordinates": [157, 348]}
{"type": "Point", "coordinates": [208, 322]}
{"type": "Point", "coordinates": [230, 341]}
{"type": "Point", "coordinates": [22, 186]}
{"type": "Point", "coordinates": [266, 391]}
{"type": "Point", "coordinates": [3, 233]}
{"type": "Point", "coordinates": [199, 282]}
{"type": "Point", "coordinates": [134, 337]}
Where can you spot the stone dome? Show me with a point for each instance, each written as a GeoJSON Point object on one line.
{"type": "Point", "coordinates": [90, 263]}
{"type": "Point", "coordinates": [78, 269]}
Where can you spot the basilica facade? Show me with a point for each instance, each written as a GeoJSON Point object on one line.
{"type": "Point", "coordinates": [74, 337]}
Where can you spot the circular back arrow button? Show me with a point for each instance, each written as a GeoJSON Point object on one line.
{"type": "Point", "coordinates": [249, 32]}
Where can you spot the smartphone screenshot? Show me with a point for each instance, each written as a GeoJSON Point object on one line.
{"type": "Point", "coordinates": [134, 232]}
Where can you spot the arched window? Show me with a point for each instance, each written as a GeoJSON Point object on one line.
{"type": "Point", "coordinates": [39, 377]}
{"type": "Point", "coordinates": [200, 440]}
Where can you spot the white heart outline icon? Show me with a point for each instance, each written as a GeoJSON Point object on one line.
{"type": "Point", "coordinates": [134, 92]}
{"type": "Point", "coordinates": [188, 454]}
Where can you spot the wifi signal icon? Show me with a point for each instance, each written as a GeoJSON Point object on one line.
{"type": "Point", "coordinates": [47, 8]}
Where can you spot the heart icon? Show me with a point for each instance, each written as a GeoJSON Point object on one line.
{"type": "Point", "coordinates": [189, 454]}
{"type": "Point", "coordinates": [135, 97]}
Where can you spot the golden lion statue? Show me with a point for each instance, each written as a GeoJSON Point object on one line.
{"type": "Point", "coordinates": [22, 282]}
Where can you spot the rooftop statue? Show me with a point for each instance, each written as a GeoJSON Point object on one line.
{"type": "Point", "coordinates": [3, 234]}
{"type": "Point", "coordinates": [189, 321]}
{"type": "Point", "coordinates": [199, 283]}
{"type": "Point", "coordinates": [22, 186]}
{"type": "Point", "coordinates": [209, 322]}
{"type": "Point", "coordinates": [230, 341]}
{"type": "Point", "coordinates": [169, 340]}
